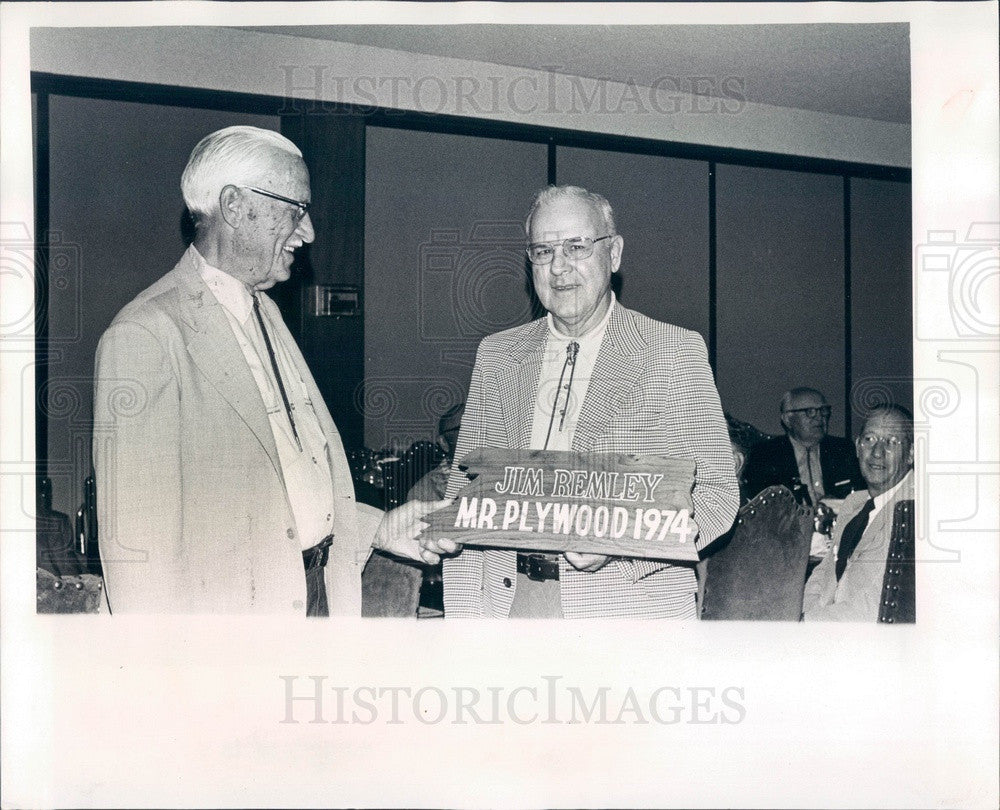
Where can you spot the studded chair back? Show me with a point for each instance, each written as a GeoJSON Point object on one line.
{"type": "Point", "coordinates": [69, 594]}
{"type": "Point", "coordinates": [899, 586]}
{"type": "Point", "coordinates": [390, 587]}
{"type": "Point", "coordinates": [760, 573]}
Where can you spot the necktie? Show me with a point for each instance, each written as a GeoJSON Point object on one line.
{"type": "Point", "coordinates": [274, 368]}
{"type": "Point", "coordinates": [571, 352]}
{"type": "Point", "coordinates": [852, 536]}
{"type": "Point", "coordinates": [814, 492]}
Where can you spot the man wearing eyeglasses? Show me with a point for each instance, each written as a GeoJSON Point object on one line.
{"type": "Point", "coordinates": [222, 481]}
{"type": "Point", "coordinates": [806, 459]}
{"type": "Point", "coordinates": [870, 576]}
{"type": "Point", "coordinates": [590, 376]}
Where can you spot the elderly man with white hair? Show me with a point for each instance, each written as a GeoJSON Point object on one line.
{"type": "Point", "coordinates": [222, 481]}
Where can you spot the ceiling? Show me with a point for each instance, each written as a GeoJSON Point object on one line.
{"type": "Point", "coordinates": [858, 70]}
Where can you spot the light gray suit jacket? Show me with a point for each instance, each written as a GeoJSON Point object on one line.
{"type": "Point", "coordinates": [651, 392]}
{"type": "Point", "coordinates": [193, 515]}
{"type": "Point", "coordinates": [856, 597]}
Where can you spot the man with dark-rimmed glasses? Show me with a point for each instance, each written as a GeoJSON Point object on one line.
{"type": "Point", "coordinates": [221, 478]}
{"type": "Point", "coordinates": [813, 464]}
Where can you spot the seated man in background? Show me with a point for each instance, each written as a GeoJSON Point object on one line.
{"type": "Point", "coordinates": [432, 486]}
{"type": "Point", "coordinates": [850, 583]}
{"type": "Point", "coordinates": [811, 463]}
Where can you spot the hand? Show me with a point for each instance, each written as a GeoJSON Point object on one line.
{"type": "Point", "coordinates": [820, 545]}
{"type": "Point", "coordinates": [400, 529]}
{"type": "Point", "coordinates": [432, 549]}
{"type": "Point", "coordinates": [587, 562]}
{"type": "Point", "coordinates": [836, 504]}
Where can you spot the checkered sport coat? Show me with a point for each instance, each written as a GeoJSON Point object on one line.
{"type": "Point", "coordinates": [651, 392]}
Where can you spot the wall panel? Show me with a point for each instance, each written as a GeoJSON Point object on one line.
{"type": "Point", "coordinates": [780, 277]}
{"type": "Point", "coordinates": [661, 211]}
{"type": "Point", "coordinates": [444, 266]}
{"type": "Point", "coordinates": [881, 295]}
{"type": "Point", "coordinates": [115, 217]}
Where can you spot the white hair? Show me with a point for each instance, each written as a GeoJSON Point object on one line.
{"type": "Point", "coordinates": [596, 202]}
{"type": "Point", "coordinates": [231, 156]}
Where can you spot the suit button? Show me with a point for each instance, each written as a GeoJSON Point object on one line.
{"type": "Point", "coordinates": [506, 582]}
{"type": "Point", "coordinates": [297, 604]}
{"type": "Point", "coordinates": [290, 533]}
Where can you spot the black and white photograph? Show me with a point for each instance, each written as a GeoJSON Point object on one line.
{"type": "Point", "coordinates": [500, 405]}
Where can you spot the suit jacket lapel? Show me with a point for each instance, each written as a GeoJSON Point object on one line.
{"type": "Point", "coordinates": [213, 348]}
{"type": "Point", "coordinates": [616, 373]}
{"type": "Point", "coordinates": [880, 525]}
{"type": "Point", "coordinates": [516, 384]}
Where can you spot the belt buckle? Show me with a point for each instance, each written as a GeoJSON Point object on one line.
{"type": "Point", "coordinates": [536, 569]}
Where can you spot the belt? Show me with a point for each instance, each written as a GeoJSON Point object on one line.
{"type": "Point", "coordinates": [317, 556]}
{"type": "Point", "coordinates": [537, 567]}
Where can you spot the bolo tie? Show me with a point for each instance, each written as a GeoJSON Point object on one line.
{"type": "Point", "coordinates": [571, 351]}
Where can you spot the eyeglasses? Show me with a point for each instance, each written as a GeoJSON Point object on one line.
{"type": "Point", "coordinates": [302, 206]}
{"type": "Point", "coordinates": [576, 247]}
{"type": "Point", "coordinates": [870, 440]}
{"type": "Point", "coordinates": [811, 413]}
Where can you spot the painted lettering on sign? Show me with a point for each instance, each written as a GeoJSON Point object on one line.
{"type": "Point", "coordinates": [603, 503]}
{"type": "Point", "coordinates": [580, 519]}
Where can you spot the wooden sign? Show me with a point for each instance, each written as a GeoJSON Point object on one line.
{"type": "Point", "coordinates": [598, 503]}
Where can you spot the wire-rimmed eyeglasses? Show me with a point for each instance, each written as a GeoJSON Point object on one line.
{"type": "Point", "coordinates": [576, 247]}
{"type": "Point", "coordinates": [871, 440]}
{"type": "Point", "coordinates": [302, 206]}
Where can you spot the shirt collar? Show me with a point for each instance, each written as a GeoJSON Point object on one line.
{"type": "Point", "coordinates": [232, 293]}
{"type": "Point", "coordinates": [593, 335]}
{"type": "Point", "coordinates": [889, 494]}
{"type": "Point", "coordinates": [801, 448]}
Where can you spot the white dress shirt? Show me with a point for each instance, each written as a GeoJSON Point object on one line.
{"type": "Point", "coordinates": [881, 500]}
{"type": "Point", "coordinates": [307, 474]}
{"type": "Point", "coordinates": [551, 397]}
